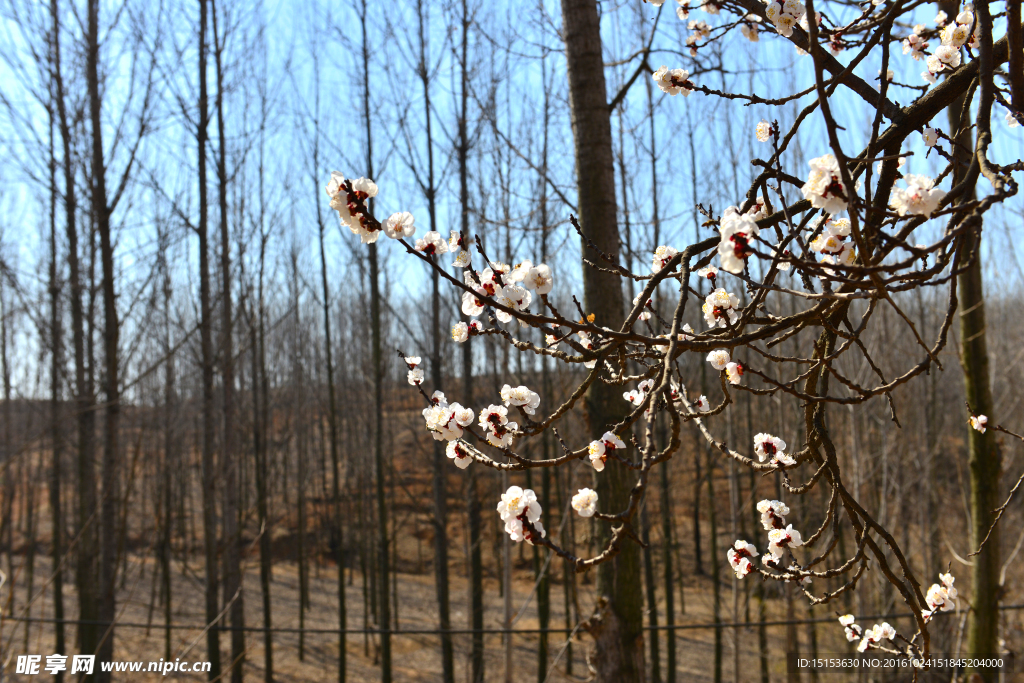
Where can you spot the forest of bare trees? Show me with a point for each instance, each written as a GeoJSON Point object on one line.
{"type": "Point", "coordinates": [740, 369]}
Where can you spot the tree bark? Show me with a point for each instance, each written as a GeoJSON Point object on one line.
{"type": "Point", "coordinates": [229, 464]}
{"type": "Point", "coordinates": [617, 626]}
{"type": "Point", "coordinates": [206, 350]}
{"type": "Point", "coordinates": [56, 373]}
{"type": "Point", "coordinates": [384, 600]}
{"type": "Point", "coordinates": [476, 585]}
{"type": "Point", "coordinates": [112, 412]}
{"type": "Point", "coordinates": [85, 415]}
{"type": "Point", "coordinates": [983, 452]}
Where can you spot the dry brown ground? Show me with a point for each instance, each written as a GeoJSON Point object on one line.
{"type": "Point", "coordinates": [416, 656]}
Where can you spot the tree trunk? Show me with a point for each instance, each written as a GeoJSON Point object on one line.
{"type": "Point", "coordinates": [440, 497]}
{"type": "Point", "coordinates": [619, 653]}
{"type": "Point", "coordinates": [476, 579]}
{"type": "Point", "coordinates": [384, 601]}
{"type": "Point", "coordinates": [209, 472]}
{"type": "Point", "coordinates": [983, 452]}
{"type": "Point", "coordinates": [229, 463]}
{"type": "Point", "coordinates": [56, 373]}
{"type": "Point", "coordinates": [112, 412]}
{"type": "Point", "coordinates": [85, 416]}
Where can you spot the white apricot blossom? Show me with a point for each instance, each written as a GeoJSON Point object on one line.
{"type": "Point", "coordinates": [852, 631]}
{"type": "Point", "coordinates": [662, 255]}
{"type": "Point", "coordinates": [737, 232]}
{"type": "Point", "coordinates": [780, 539]}
{"type": "Point", "coordinates": [459, 454]}
{"type": "Point", "coordinates": [518, 506]}
{"type": "Point", "coordinates": [521, 396]}
{"type": "Point", "coordinates": [734, 372]}
{"type": "Point", "coordinates": [930, 137]}
{"type": "Point", "coordinates": [768, 447]}
{"type": "Point", "coordinates": [460, 332]}
{"type": "Point", "coordinates": [585, 502]}
{"type": "Point", "coordinates": [824, 187]}
{"type": "Point", "coordinates": [673, 81]}
{"type": "Point", "coordinates": [773, 514]}
{"type": "Point", "coordinates": [719, 358]}
{"type": "Point", "coordinates": [979, 423]}
{"type": "Point", "coordinates": [739, 558]}
{"type": "Point", "coordinates": [720, 308]}
{"type": "Point", "coordinates": [351, 205]}
{"type": "Point", "coordinates": [497, 428]}
{"type": "Point", "coordinates": [920, 198]}
{"type": "Point", "coordinates": [598, 449]}
{"type": "Point", "coordinates": [399, 225]}
{"type": "Point", "coordinates": [764, 131]}
{"type": "Point", "coordinates": [432, 244]}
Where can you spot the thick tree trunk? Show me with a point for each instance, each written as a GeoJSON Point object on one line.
{"type": "Point", "coordinates": [617, 625]}
{"type": "Point", "coordinates": [439, 494]}
{"type": "Point", "coordinates": [476, 579]}
{"type": "Point", "coordinates": [85, 416]}
{"type": "Point", "coordinates": [229, 463]}
{"type": "Point", "coordinates": [112, 412]}
{"type": "Point", "coordinates": [383, 584]}
{"type": "Point", "coordinates": [983, 452]}
{"type": "Point", "coordinates": [209, 472]}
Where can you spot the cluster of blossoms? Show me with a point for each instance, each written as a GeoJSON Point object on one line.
{"type": "Point", "coordinates": [874, 635]}
{"type": "Point", "coordinates": [739, 558]}
{"type": "Point", "coordinates": [780, 537]}
{"type": "Point", "coordinates": [432, 244]}
{"type": "Point", "coordinates": [920, 198]}
{"type": "Point", "coordinates": [832, 242]}
{"type": "Point", "coordinates": [780, 534]}
{"type": "Point", "coordinates": [348, 198]}
{"type": "Point", "coordinates": [673, 81]}
{"type": "Point", "coordinates": [662, 255]}
{"type": "Point", "coordinates": [445, 422]}
{"type": "Point", "coordinates": [785, 16]}
{"type": "Point", "coordinates": [585, 502]}
{"type": "Point", "coordinates": [720, 308]}
{"type": "Point", "coordinates": [824, 187]}
{"type": "Point", "coordinates": [772, 449]}
{"type": "Point", "coordinates": [915, 45]}
{"type": "Point", "coordinates": [498, 430]}
{"type": "Point", "coordinates": [941, 596]}
{"type": "Point", "coordinates": [462, 331]}
{"type": "Point", "coordinates": [521, 396]}
{"type": "Point", "coordinates": [415, 375]}
{"type": "Point", "coordinates": [457, 246]}
{"type": "Point", "coordinates": [979, 423]}
{"type": "Point", "coordinates": [587, 343]}
{"type": "Point", "coordinates": [599, 449]}
{"type": "Point", "coordinates": [720, 360]}
{"type": "Point", "coordinates": [644, 313]}
{"type": "Point", "coordinates": [852, 630]}
{"type": "Point", "coordinates": [737, 231]}
{"type": "Point", "coordinates": [637, 397]}
{"type": "Point", "coordinates": [519, 508]}
{"type": "Point", "coordinates": [701, 31]}
{"type": "Point", "coordinates": [508, 286]}
{"type": "Point", "coordinates": [954, 36]}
